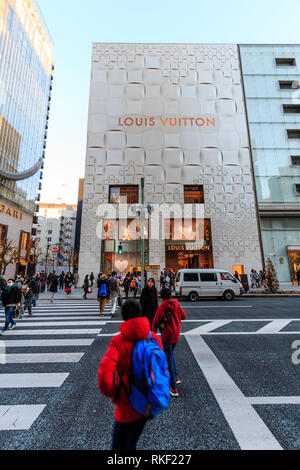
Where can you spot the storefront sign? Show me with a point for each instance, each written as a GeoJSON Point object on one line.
{"type": "Point", "coordinates": [188, 247]}
{"type": "Point", "coordinates": [169, 123]}
{"type": "Point", "coordinates": [11, 212]}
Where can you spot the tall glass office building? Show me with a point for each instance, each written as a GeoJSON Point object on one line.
{"type": "Point", "coordinates": [271, 77]}
{"type": "Point", "coordinates": [26, 73]}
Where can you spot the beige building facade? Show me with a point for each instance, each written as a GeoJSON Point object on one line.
{"type": "Point", "coordinates": [174, 116]}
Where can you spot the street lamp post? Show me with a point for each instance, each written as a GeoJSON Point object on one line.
{"type": "Point", "coordinates": [143, 232]}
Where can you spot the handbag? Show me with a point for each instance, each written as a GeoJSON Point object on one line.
{"type": "Point", "coordinates": [18, 312]}
{"type": "Point", "coordinates": [120, 301]}
{"type": "Point", "coordinates": [90, 290]}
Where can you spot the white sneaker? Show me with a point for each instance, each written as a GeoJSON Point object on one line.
{"type": "Point", "coordinates": [3, 333]}
{"type": "Point", "coordinates": [13, 327]}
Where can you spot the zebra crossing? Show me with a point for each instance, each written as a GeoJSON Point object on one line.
{"type": "Point", "coordinates": [58, 333]}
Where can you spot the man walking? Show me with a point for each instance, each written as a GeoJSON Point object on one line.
{"type": "Point", "coordinates": [114, 292]}
{"type": "Point", "coordinates": [11, 298]}
{"type": "Point", "coordinates": [168, 320]}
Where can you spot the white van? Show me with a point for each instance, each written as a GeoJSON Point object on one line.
{"type": "Point", "coordinates": [196, 283]}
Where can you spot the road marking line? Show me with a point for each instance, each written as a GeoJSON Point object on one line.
{"type": "Point", "coordinates": [32, 380]}
{"type": "Point", "coordinates": [274, 326]}
{"type": "Point", "coordinates": [61, 323]}
{"type": "Point", "coordinates": [212, 325]}
{"type": "Point", "coordinates": [274, 400]}
{"type": "Point", "coordinates": [19, 417]}
{"type": "Point", "coordinates": [28, 343]}
{"type": "Point", "coordinates": [248, 428]}
{"type": "Point", "coordinates": [241, 333]}
{"type": "Point", "coordinates": [186, 307]}
{"type": "Point", "coordinates": [74, 331]}
{"type": "Point", "coordinates": [42, 358]}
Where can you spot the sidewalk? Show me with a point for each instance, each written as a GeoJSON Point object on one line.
{"type": "Point", "coordinates": [284, 290]}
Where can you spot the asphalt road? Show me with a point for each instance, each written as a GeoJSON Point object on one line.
{"type": "Point", "coordinates": [240, 389]}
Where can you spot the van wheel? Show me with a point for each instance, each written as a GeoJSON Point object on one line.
{"type": "Point", "coordinates": [228, 295]}
{"type": "Point", "coordinates": [193, 296]}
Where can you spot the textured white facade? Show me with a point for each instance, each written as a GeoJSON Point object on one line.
{"type": "Point", "coordinates": [176, 80]}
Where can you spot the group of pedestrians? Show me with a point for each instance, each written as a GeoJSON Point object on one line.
{"type": "Point", "coordinates": [167, 279]}
{"type": "Point", "coordinates": [138, 399]}
{"type": "Point", "coordinates": [17, 296]}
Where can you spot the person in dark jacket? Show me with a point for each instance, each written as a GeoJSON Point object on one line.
{"type": "Point", "coordinates": [34, 285]}
{"type": "Point", "coordinates": [53, 286]}
{"type": "Point", "coordinates": [126, 284]}
{"type": "Point", "coordinates": [149, 300]}
{"type": "Point", "coordinates": [116, 363]}
{"type": "Point", "coordinates": [168, 319]}
{"type": "Point", "coordinates": [11, 298]}
{"type": "Point", "coordinates": [86, 286]}
{"type": "Point", "coordinates": [103, 293]}
{"type": "Point", "coordinates": [28, 296]}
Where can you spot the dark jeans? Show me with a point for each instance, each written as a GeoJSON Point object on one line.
{"type": "Point", "coordinates": [126, 435]}
{"type": "Point", "coordinates": [169, 351]}
{"type": "Point", "coordinates": [8, 317]}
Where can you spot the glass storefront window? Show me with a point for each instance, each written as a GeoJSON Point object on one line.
{"type": "Point", "coordinates": [188, 229]}
{"type": "Point", "coordinates": [193, 195]}
{"type": "Point", "coordinates": [124, 230]}
{"type": "Point", "coordinates": [123, 194]}
{"type": "Point", "coordinates": [3, 234]}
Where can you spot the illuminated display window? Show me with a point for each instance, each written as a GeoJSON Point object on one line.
{"type": "Point", "coordinates": [188, 229]}
{"type": "Point", "coordinates": [193, 195]}
{"type": "Point", "coordinates": [3, 234]}
{"type": "Point", "coordinates": [24, 239]}
{"type": "Point", "coordinates": [118, 194]}
{"type": "Point", "coordinates": [124, 230]}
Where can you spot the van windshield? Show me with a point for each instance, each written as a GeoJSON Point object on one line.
{"type": "Point", "coordinates": [228, 277]}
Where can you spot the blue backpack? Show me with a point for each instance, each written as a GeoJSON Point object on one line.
{"type": "Point", "coordinates": [103, 290]}
{"type": "Point", "coordinates": [150, 379]}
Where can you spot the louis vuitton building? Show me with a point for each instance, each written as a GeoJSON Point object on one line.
{"type": "Point", "coordinates": [168, 128]}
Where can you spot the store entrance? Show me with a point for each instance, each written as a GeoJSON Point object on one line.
{"type": "Point", "coordinates": [294, 260]}
{"type": "Point", "coordinates": [188, 260]}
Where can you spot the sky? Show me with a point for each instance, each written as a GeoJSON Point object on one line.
{"type": "Point", "coordinates": [75, 24]}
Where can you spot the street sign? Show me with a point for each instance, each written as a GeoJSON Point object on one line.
{"type": "Point", "coordinates": [55, 250]}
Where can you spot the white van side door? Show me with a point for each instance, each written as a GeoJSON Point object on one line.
{"type": "Point", "coordinates": [190, 283]}
{"type": "Point", "coordinates": [210, 285]}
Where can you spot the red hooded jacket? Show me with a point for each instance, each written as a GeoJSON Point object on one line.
{"type": "Point", "coordinates": [118, 357]}
{"type": "Point", "coordinates": [171, 332]}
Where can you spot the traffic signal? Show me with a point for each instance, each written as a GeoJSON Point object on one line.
{"type": "Point", "coordinates": [120, 250]}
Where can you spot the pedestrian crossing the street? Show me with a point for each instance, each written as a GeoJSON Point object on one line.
{"type": "Point", "coordinates": [57, 333]}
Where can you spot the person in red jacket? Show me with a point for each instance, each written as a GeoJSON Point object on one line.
{"type": "Point", "coordinates": [129, 424]}
{"type": "Point", "coordinates": [168, 319]}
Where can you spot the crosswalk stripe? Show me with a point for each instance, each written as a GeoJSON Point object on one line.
{"type": "Point", "coordinates": [19, 417]}
{"type": "Point", "coordinates": [29, 343]}
{"type": "Point", "coordinates": [213, 325]}
{"type": "Point", "coordinates": [274, 326]}
{"type": "Point", "coordinates": [32, 380]}
{"type": "Point", "coordinates": [37, 358]}
{"type": "Point", "coordinates": [74, 331]}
